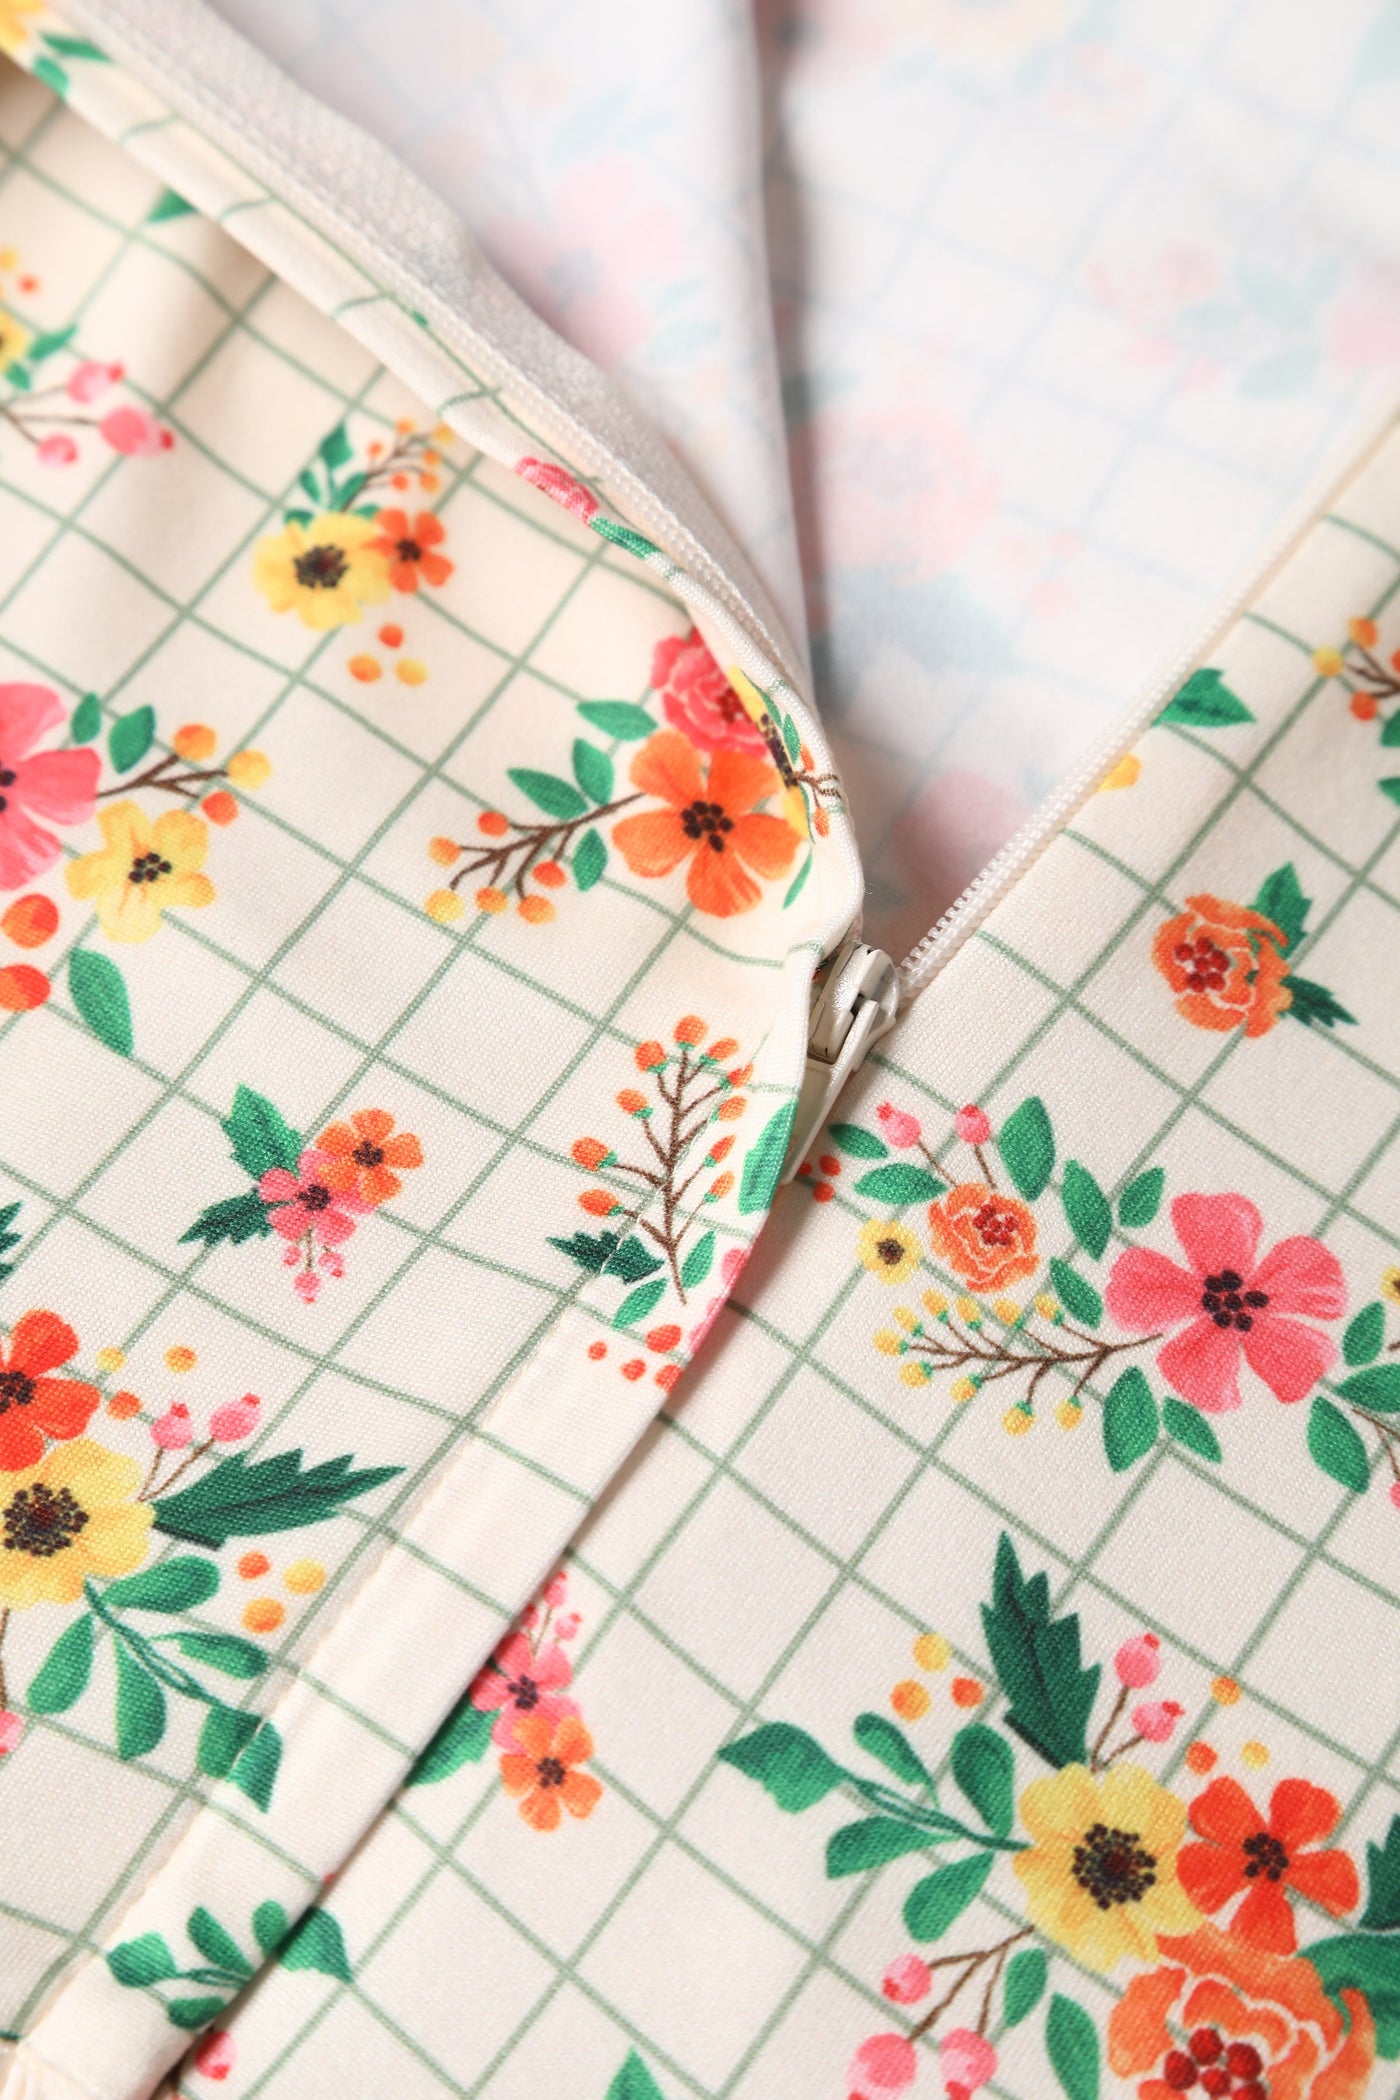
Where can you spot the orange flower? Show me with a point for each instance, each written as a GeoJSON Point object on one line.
{"type": "Point", "coordinates": [1244, 1853]}
{"type": "Point", "coordinates": [540, 1771]}
{"type": "Point", "coordinates": [32, 1404]}
{"type": "Point", "coordinates": [711, 820]}
{"type": "Point", "coordinates": [408, 545]}
{"type": "Point", "coordinates": [1264, 2019]}
{"type": "Point", "coordinates": [986, 1237]}
{"type": "Point", "coordinates": [363, 1155]}
{"type": "Point", "coordinates": [1226, 964]}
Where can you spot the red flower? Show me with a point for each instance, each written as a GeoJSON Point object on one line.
{"type": "Point", "coordinates": [711, 822]}
{"type": "Point", "coordinates": [409, 548]}
{"type": "Point", "coordinates": [58, 786]}
{"type": "Point", "coordinates": [1242, 1852]}
{"type": "Point", "coordinates": [1230, 1301]}
{"type": "Point", "coordinates": [33, 1405]}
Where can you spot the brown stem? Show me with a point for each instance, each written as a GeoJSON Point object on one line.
{"type": "Point", "coordinates": [1108, 1727]}
{"type": "Point", "coordinates": [971, 1963]}
{"type": "Point", "coordinates": [159, 775]}
{"type": "Point", "coordinates": [534, 842]}
{"type": "Point", "coordinates": [148, 1486]}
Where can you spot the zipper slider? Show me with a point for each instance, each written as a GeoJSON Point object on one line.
{"type": "Point", "coordinates": [855, 1006]}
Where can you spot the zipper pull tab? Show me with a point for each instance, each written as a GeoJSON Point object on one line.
{"type": "Point", "coordinates": [856, 1006]}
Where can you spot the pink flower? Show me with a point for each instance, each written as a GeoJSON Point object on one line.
{"type": "Point", "coordinates": [559, 486]}
{"type": "Point", "coordinates": [698, 699]}
{"type": "Point", "coordinates": [900, 1130]}
{"type": "Point", "coordinates": [556, 1589]}
{"type": "Point", "coordinates": [174, 1429]}
{"type": "Point", "coordinates": [11, 1729]}
{"type": "Point", "coordinates": [88, 380]}
{"type": "Point", "coordinates": [216, 2055]}
{"type": "Point", "coordinates": [965, 2061]}
{"type": "Point", "coordinates": [236, 1419]}
{"type": "Point", "coordinates": [1155, 1723]}
{"type": "Point", "coordinates": [303, 1202]}
{"type": "Point", "coordinates": [56, 450]}
{"type": "Point", "coordinates": [907, 1980]}
{"type": "Point", "coordinates": [973, 1127]}
{"type": "Point", "coordinates": [1138, 1661]}
{"type": "Point", "coordinates": [60, 786]}
{"type": "Point", "coordinates": [135, 431]}
{"type": "Point", "coordinates": [517, 1681]}
{"type": "Point", "coordinates": [1227, 1301]}
{"type": "Point", "coordinates": [884, 2064]}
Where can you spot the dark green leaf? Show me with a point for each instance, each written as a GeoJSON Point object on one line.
{"type": "Point", "coordinates": [260, 1134]}
{"type": "Point", "coordinates": [1281, 899]}
{"type": "Point", "coordinates": [556, 797]}
{"type": "Point", "coordinates": [1086, 1207]}
{"type": "Point", "coordinates": [790, 1764]}
{"type": "Point", "coordinates": [312, 487]}
{"type": "Point", "coordinates": [1336, 1446]}
{"type": "Point", "coordinates": [318, 1943]}
{"type": "Point", "coordinates": [1129, 1420]}
{"type": "Point", "coordinates": [173, 1585]}
{"type": "Point", "coordinates": [1025, 1984]}
{"type": "Point", "coordinates": [217, 1945]}
{"type": "Point", "coordinates": [799, 882]}
{"type": "Point", "coordinates": [140, 1707]}
{"type": "Point", "coordinates": [621, 536]}
{"type": "Point", "coordinates": [1037, 1660]}
{"type": "Point", "coordinates": [98, 990]}
{"type": "Point", "coordinates": [590, 859]}
{"type": "Point", "coordinates": [1205, 702]}
{"type": "Point", "coordinates": [234, 1218]}
{"type": "Point", "coordinates": [639, 1303]}
{"type": "Point", "coordinates": [270, 1926]}
{"type": "Point", "coordinates": [593, 770]}
{"type": "Point", "coordinates": [764, 1162]}
{"type": "Point", "coordinates": [618, 718]}
{"type": "Point", "coordinates": [1141, 1199]}
{"type": "Point", "coordinates": [899, 1184]}
{"type": "Point", "coordinates": [1076, 1293]}
{"type": "Point", "coordinates": [241, 1496]}
{"type": "Point", "coordinates": [194, 2012]}
{"type": "Point", "coordinates": [1369, 1963]}
{"type": "Point", "coordinates": [226, 1733]}
{"type": "Point", "coordinates": [634, 2082]}
{"type": "Point", "coordinates": [130, 738]}
{"type": "Point", "coordinates": [629, 1260]}
{"type": "Point", "coordinates": [228, 1652]}
{"type": "Point", "coordinates": [856, 1847]}
{"type": "Point", "coordinates": [86, 724]}
{"type": "Point", "coordinates": [1382, 1913]}
{"type": "Point", "coordinates": [143, 1961]}
{"type": "Point", "coordinates": [74, 47]}
{"type": "Point", "coordinates": [985, 1770]}
{"type": "Point", "coordinates": [1378, 1388]}
{"type": "Point", "coordinates": [1361, 1344]}
{"type": "Point", "coordinates": [62, 1677]}
{"type": "Point", "coordinates": [880, 1738]}
{"type": "Point", "coordinates": [1072, 2045]}
{"type": "Point", "coordinates": [1315, 1006]}
{"type": "Point", "coordinates": [698, 1263]}
{"type": "Point", "coordinates": [1390, 733]}
{"type": "Point", "coordinates": [168, 205]}
{"type": "Point", "coordinates": [348, 490]}
{"type": "Point", "coordinates": [53, 76]}
{"type": "Point", "coordinates": [1027, 1144]}
{"type": "Point", "coordinates": [937, 1901]}
{"type": "Point", "coordinates": [255, 1772]}
{"type": "Point", "coordinates": [334, 447]}
{"type": "Point", "coordinates": [1191, 1428]}
{"type": "Point", "coordinates": [861, 1144]}
{"type": "Point", "coordinates": [791, 738]}
{"type": "Point", "coordinates": [463, 1739]}
{"type": "Point", "coordinates": [46, 345]}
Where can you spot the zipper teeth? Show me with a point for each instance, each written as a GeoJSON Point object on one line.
{"type": "Point", "coordinates": [985, 891]}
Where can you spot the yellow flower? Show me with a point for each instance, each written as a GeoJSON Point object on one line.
{"type": "Point", "coordinates": [889, 1250]}
{"type": "Point", "coordinates": [14, 336]}
{"type": "Point", "coordinates": [143, 869]}
{"type": "Point", "coordinates": [15, 19]}
{"type": "Point", "coordinates": [325, 571]}
{"type": "Point", "coordinates": [1100, 1874]}
{"type": "Point", "coordinates": [71, 1516]}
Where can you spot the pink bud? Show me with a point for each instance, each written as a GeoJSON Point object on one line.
{"type": "Point", "coordinates": [307, 1285]}
{"type": "Point", "coordinates": [56, 450]}
{"type": "Point", "coordinates": [973, 1128]}
{"type": "Point", "coordinates": [174, 1429]}
{"type": "Point", "coordinates": [216, 2055]}
{"type": "Point", "coordinates": [1395, 1492]}
{"type": "Point", "coordinates": [884, 2064]}
{"type": "Point", "coordinates": [1137, 1661]}
{"type": "Point", "coordinates": [88, 380]}
{"type": "Point", "coordinates": [236, 1419]}
{"type": "Point", "coordinates": [965, 2061]}
{"type": "Point", "coordinates": [567, 1627]}
{"type": "Point", "coordinates": [332, 1261]}
{"type": "Point", "coordinates": [556, 1589]}
{"type": "Point", "coordinates": [11, 1729]}
{"type": "Point", "coordinates": [135, 431]}
{"type": "Point", "coordinates": [530, 1617]}
{"type": "Point", "coordinates": [901, 1130]}
{"type": "Point", "coordinates": [1157, 1721]}
{"type": "Point", "coordinates": [907, 1980]}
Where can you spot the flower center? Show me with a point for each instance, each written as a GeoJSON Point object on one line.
{"type": "Point", "coordinates": [41, 1522]}
{"type": "Point", "coordinates": [551, 1771]}
{"type": "Point", "coordinates": [368, 1155]}
{"type": "Point", "coordinates": [1206, 966]}
{"type": "Point", "coordinates": [890, 1252]}
{"type": "Point", "coordinates": [706, 823]}
{"type": "Point", "coordinates": [8, 777]}
{"type": "Point", "coordinates": [1112, 1865]}
{"type": "Point", "coordinates": [1229, 1303]}
{"type": "Point", "coordinates": [16, 1390]}
{"type": "Point", "coordinates": [1210, 2064]}
{"type": "Point", "coordinates": [1266, 1855]}
{"type": "Point", "coordinates": [320, 568]}
{"type": "Point", "coordinates": [316, 1196]}
{"type": "Point", "coordinates": [526, 1694]}
{"type": "Point", "coordinates": [409, 550]}
{"type": "Point", "coordinates": [148, 867]}
{"type": "Point", "coordinates": [994, 1226]}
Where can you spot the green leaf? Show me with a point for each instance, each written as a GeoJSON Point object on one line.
{"type": "Point", "coordinates": [309, 482]}
{"type": "Point", "coordinates": [174, 1585]}
{"type": "Point", "coordinates": [639, 1303]}
{"type": "Point", "coordinates": [1378, 1388]}
{"type": "Point", "coordinates": [1281, 899]}
{"type": "Point", "coordinates": [634, 2082]}
{"type": "Point", "coordinates": [1336, 1446]}
{"type": "Point", "coordinates": [556, 797]}
{"type": "Point", "coordinates": [1315, 1006]}
{"type": "Point", "coordinates": [593, 770]}
{"type": "Point", "coordinates": [622, 536]}
{"type": "Point", "coordinates": [629, 1260]}
{"type": "Point", "coordinates": [260, 1134]}
{"type": "Point", "coordinates": [1361, 1344]}
{"type": "Point", "coordinates": [62, 1677]}
{"type": "Point", "coordinates": [1025, 1985]}
{"type": "Point", "coordinates": [791, 738]}
{"type": "Point", "coordinates": [74, 47]}
{"type": "Point", "coordinates": [590, 858]}
{"type": "Point", "coordinates": [787, 1762]}
{"type": "Point", "coordinates": [463, 1739]}
{"type": "Point", "coordinates": [1027, 1144]}
{"type": "Point", "coordinates": [937, 1901]}
{"type": "Point", "coordinates": [334, 447]}
{"type": "Point", "coordinates": [226, 1733]}
{"type": "Point", "coordinates": [143, 1961]}
{"type": "Point", "coordinates": [861, 1144]}
{"type": "Point", "coordinates": [234, 1218]}
{"type": "Point", "coordinates": [1086, 1207]}
{"type": "Point", "coordinates": [618, 718]}
{"type": "Point", "coordinates": [1142, 1198]}
{"type": "Point", "coordinates": [799, 882]}
{"type": "Point", "coordinates": [899, 1184]}
{"type": "Point", "coordinates": [86, 723]}
{"type": "Point", "coordinates": [255, 1772]}
{"type": "Point", "coordinates": [1190, 1427]}
{"type": "Point", "coordinates": [1130, 1420]}
{"type": "Point", "coordinates": [194, 2012]}
{"type": "Point", "coordinates": [698, 1263]}
{"type": "Point", "coordinates": [1072, 2045]}
{"type": "Point", "coordinates": [1205, 702]}
{"type": "Point", "coordinates": [140, 1707]}
{"type": "Point", "coordinates": [228, 1652]}
{"type": "Point", "coordinates": [53, 76]}
{"type": "Point", "coordinates": [857, 1847]}
{"type": "Point", "coordinates": [1076, 1293]}
{"type": "Point", "coordinates": [270, 1926]}
{"type": "Point", "coordinates": [1382, 1912]}
{"type": "Point", "coordinates": [168, 205]}
{"type": "Point", "coordinates": [880, 1738]}
{"type": "Point", "coordinates": [764, 1162]}
{"type": "Point", "coordinates": [46, 345]}
{"type": "Point", "coordinates": [216, 1945]}
{"type": "Point", "coordinates": [318, 1943]}
{"type": "Point", "coordinates": [240, 1497]}
{"type": "Point", "coordinates": [985, 1770]}
{"type": "Point", "coordinates": [130, 738]}
{"type": "Point", "coordinates": [1049, 1691]}
{"type": "Point", "coordinates": [98, 990]}
{"type": "Point", "coordinates": [1369, 1963]}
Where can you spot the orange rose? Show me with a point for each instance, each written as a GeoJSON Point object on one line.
{"type": "Point", "coordinates": [988, 1238]}
{"type": "Point", "coordinates": [1263, 2018]}
{"type": "Point", "coordinates": [1226, 964]}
